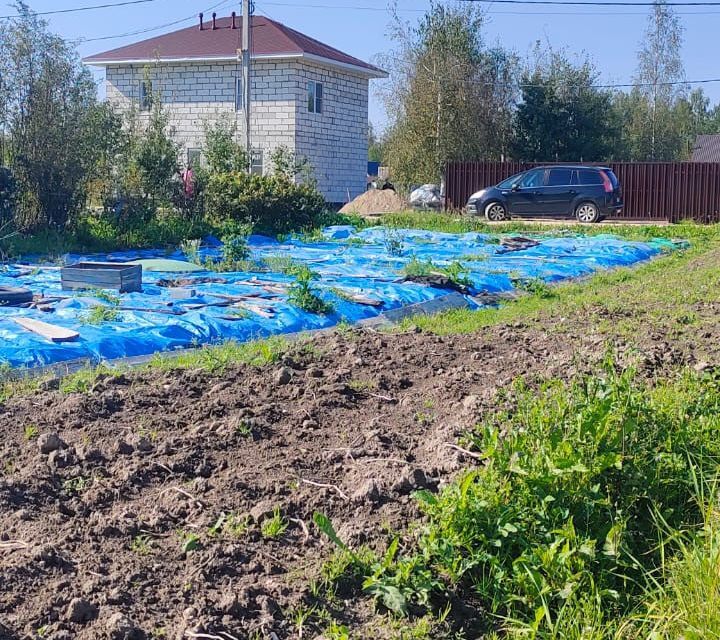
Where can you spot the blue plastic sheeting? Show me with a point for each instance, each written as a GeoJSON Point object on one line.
{"type": "Point", "coordinates": [356, 262]}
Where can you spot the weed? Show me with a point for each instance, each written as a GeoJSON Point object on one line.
{"type": "Point", "coordinates": [191, 250]}
{"type": "Point", "coordinates": [105, 295]}
{"type": "Point", "coordinates": [284, 264]}
{"type": "Point", "coordinates": [243, 429]}
{"type": "Point", "coordinates": [561, 520]}
{"type": "Point", "coordinates": [534, 286]}
{"type": "Point", "coordinates": [475, 257]}
{"type": "Point", "coordinates": [302, 294]}
{"type": "Point", "coordinates": [99, 314]}
{"type": "Point", "coordinates": [300, 617]}
{"type": "Point", "coordinates": [455, 271]}
{"type": "Point", "coordinates": [141, 544]}
{"type": "Point", "coordinates": [393, 241]}
{"type": "Point", "coordinates": [77, 484]}
{"type": "Point", "coordinates": [424, 418]}
{"type": "Point", "coordinates": [189, 542]}
{"type": "Point", "coordinates": [83, 380]}
{"type": "Point", "coordinates": [336, 631]}
{"type": "Point", "coordinates": [274, 526]}
{"type": "Point", "coordinates": [230, 524]}
{"type": "Point", "coordinates": [217, 358]}
{"type": "Point", "coordinates": [31, 431]}
{"type": "Point", "coordinates": [360, 386]}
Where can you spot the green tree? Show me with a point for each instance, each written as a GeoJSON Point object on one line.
{"type": "Point", "coordinates": [659, 82]}
{"type": "Point", "coordinates": [48, 113]}
{"type": "Point", "coordinates": [450, 97]}
{"type": "Point", "coordinates": [376, 145]}
{"type": "Point", "coordinates": [562, 116]}
{"type": "Point", "coordinates": [222, 151]}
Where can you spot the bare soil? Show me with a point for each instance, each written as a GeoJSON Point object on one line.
{"type": "Point", "coordinates": [99, 491]}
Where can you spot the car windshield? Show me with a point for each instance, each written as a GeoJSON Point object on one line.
{"type": "Point", "coordinates": [509, 182]}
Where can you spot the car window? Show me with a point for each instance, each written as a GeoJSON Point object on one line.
{"type": "Point", "coordinates": [533, 179]}
{"type": "Point", "coordinates": [588, 176]}
{"type": "Point", "coordinates": [559, 177]}
{"type": "Point", "coordinates": [509, 182]}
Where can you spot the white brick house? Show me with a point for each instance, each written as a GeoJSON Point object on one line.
{"type": "Point", "coordinates": [305, 95]}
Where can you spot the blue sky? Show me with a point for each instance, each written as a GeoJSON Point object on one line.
{"type": "Point", "coordinates": [359, 27]}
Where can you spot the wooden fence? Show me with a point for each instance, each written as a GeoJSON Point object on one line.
{"type": "Point", "coordinates": [672, 191]}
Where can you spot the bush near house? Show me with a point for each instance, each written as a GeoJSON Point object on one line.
{"type": "Point", "coordinates": [274, 204]}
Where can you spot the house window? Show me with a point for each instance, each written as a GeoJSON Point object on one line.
{"type": "Point", "coordinates": [315, 96]}
{"type": "Point", "coordinates": [194, 157]}
{"type": "Point", "coordinates": [256, 162]}
{"type": "Point", "coordinates": [145, 93]}
{"type": "Point", "coordinates": [239, 94]}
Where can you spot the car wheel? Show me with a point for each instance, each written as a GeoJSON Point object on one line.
{"type": "Point", "coordinates": [587, 212]}
{"type": "Point", "coordinates": [495, 212]}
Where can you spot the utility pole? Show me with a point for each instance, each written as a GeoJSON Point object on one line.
{"type": "Point", "coordinates": [245, 52]}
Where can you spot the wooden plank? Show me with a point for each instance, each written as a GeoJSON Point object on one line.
{"type": "Point", "coordinates": [46, 330]}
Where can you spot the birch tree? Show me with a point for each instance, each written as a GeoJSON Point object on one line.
{"type": "Point", "coordinates": [450, 96]}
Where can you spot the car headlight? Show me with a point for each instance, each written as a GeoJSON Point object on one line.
{"type": "Point", "coordinates": [477, 195]}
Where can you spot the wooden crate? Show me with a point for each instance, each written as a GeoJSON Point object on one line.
{"type": "Point", "coordinates": [102, 275]}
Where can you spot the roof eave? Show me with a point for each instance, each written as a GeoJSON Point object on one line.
{"type": "Point", "coordinates": [368, 72]}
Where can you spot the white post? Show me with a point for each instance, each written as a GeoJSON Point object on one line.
{"type": "Point", "coordinates": [245, 52]}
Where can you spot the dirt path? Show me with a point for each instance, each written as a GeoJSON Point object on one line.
{"type": "Point", "coordinates": [110, 500]}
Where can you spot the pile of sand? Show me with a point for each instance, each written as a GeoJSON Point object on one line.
{"type": "Point", "coordinates": [375, 201]}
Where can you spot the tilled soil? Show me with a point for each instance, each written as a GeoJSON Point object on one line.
{"type": "Point", "coordinates": [102, 492]}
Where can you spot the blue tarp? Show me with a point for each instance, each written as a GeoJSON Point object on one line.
{"type": "Point", "coordinates": [364, 262]}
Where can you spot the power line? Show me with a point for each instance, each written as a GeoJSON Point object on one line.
{"type": "Point", "coordinates": [86, 8]}
{"type": "Point", "coordinates": [602, 3]}
{"type": "Point", "coordinates": [533, 13]}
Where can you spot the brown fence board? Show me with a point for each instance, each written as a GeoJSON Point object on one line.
{"type": "Point", "coordinates": [672, 191]}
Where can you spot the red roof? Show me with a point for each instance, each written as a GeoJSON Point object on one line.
{"type": "Point", "coordinates": [269, 39]}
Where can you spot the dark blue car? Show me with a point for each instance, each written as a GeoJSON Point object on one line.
{"type": "Point", "coordinates": [586, 193]}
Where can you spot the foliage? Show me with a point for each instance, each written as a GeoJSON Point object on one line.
{"type": "Point", "coordinates": [659, 66]}
{"type": "Point", "coordinates": [562, 116]}
{"type": "Point", "coordinates": [393, 241]}
{"type": "Point", "coordinates": [100, 314]}
{"type": "Point", "coordinates": [376, 145]}
{"type": "Point", "coordinates": [455, 271]}
{"type": "Point", "coordinates": [273, 203]}
{"type": "Point", "coordinates": [8, 195]}
{"type": "Point", "coordinates": [303, 295]}
{"type": "Point", "coordinates": [49, 112]}
{"type": "Point", "coordinates": [274, 526]}
{"type": "Point", "coordinates": [290, 165]}
{"type": "Point", "coordinates": [223, 153]}
{"type": "Point", "coordinates": [450, 96]}
{"type": "Point", "coordinates": [152, 169]}
{"type": "Point", "coordinates": [564, 511]}
{"type": "Point", "coordinates": [235, 248]}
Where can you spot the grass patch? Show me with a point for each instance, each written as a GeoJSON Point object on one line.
{"type": "Point", "coordinates": [455, 223]}
{"type": "Point", "coordinates": [274, 526]}
{"type": "Point", "coordinates": [217, 358]}
{"type": "Point", "coordinates": [556, 534]}
{"type": "Point", "coordinates": [663, 283]}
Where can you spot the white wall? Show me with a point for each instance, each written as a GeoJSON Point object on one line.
{"type": "Point", "coordinates": [335, 141]}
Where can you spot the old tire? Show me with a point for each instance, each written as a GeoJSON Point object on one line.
{"type": "Point", "coordinates": [495, 212]}
{"type": "Point", "coordinates": [13, 296]}
{"type": "Point", "coordinates": [587, 212]}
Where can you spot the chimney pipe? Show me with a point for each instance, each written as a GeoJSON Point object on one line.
{"type": "Point", "coordinates": [214, 25]}
{"type": "Point", "coordinates": [201, 22]}
{"type": "Point", "coordinates": [233, 19]}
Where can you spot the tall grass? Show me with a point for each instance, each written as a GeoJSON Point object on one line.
{"type": "Point", "coordinates": [556, 534]}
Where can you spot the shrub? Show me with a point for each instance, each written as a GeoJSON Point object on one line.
{"type": "Point", "coordinates": [8, 191]}
{"type": "Point", "coordinates": [302, 294]}
{"type": "Point", "coordinates": [273, 203]}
